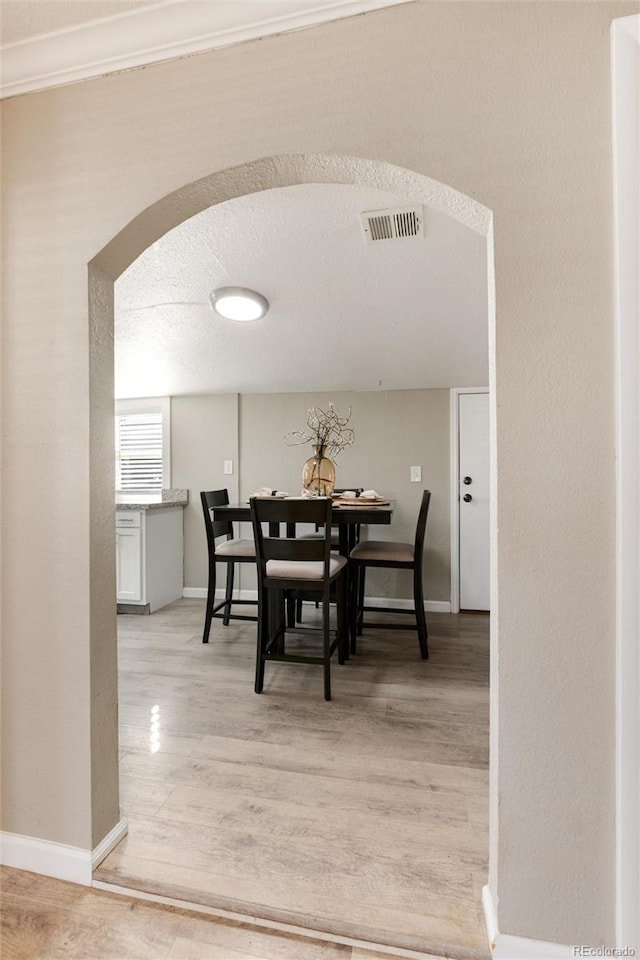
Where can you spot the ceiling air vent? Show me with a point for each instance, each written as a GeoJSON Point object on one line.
{"type": "Point", "coordinates": [403, 223]}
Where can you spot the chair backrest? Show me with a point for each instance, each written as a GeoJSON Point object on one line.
{"type": "Point", "coordinates": [357, 491]}
{"type": "Point", "coordinates": [290, 512]}
{"type": "Point", "coordinates": [217, 528]}
{"type": "Point", "coordinates": [421, 526]}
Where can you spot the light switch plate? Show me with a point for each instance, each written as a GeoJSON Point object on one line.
{"type": "Point", "coordinates": [228, 466]}
{"type": "Point", "coordinates": [416, 474]}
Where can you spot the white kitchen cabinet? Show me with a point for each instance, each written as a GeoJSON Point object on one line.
{"type": "Point", "coordinates": [149, 557]}
{"type": "Point", "coordinates": [128, 565]}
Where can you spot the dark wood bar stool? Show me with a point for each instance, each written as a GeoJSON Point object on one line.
{"type": "Point", "coordinates": [403, 556]}
{"type": "Point", "coordinates": [229, 551]}
{"type": "Point", "coordinates": [335, 544]}
{"type": "Point", "coordinates": [296, 563]}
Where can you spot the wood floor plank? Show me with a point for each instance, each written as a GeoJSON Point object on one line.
{"type": "Point", "coordinates": [447, 840]}
{"type": "Point", "coordinates": [67, 920]}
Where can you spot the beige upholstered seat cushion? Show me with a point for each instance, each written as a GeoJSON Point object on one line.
{"type": "Point", "coordinates": [303, 569]}
{"type": "Point", "coordinates": [383, 550]}
{"type": "Point", "coordinates": [236, 548]}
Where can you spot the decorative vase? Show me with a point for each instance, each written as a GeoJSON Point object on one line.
{"type": "Point", "coordinates": [319, 474]}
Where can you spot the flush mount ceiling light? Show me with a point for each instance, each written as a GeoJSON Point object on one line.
{"type": "Point", "coordinates": [238, 303]}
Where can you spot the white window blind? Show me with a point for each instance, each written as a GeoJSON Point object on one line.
{"type": "Point", "coordinates": [139, 451]}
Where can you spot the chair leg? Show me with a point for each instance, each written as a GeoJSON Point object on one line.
{"type": "Point", "coordinates": [361, 577]}
{"type": "Point", "coordinates": [299, 610]}
{"type": "Point", "coordinates": [291, 611]}
{"type": "Point", "coordinates": [326, 646]}
{"type": "Point", "coordinates": [343, 634]}
{"type": "Point", "coordinates": [418, 599]}
{"type": "Point", "coordinates": [277, 622]}
{"type": "Point", "coordinates": [211, 596]}
{"type": "Point", "coordinates": [229, 593]}
{"type": "Point", "coordinates": [352, 606]}
{"type": "Point", "coordinates": [263, 638]}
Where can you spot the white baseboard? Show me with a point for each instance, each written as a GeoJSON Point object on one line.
{"type": "Point", "coordinates": [490, 918]}
{"type": "Point", "coordinates": [200, 593]}
{"type": "Point", "coordinates": [504, 946]}
{"type": "Point", "coordinates": [522, 948]}
{"type": "Point", "coordinates": [57, 860]}
{"type": "Point", "coordinates": [50, 859]}
{"type": "Point", "coordinates": [431, 606]}
{"type": "Point", "coordinates": [107, 844]}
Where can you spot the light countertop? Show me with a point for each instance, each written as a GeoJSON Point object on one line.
{"type": "Point", "coordinates": [151, 500]}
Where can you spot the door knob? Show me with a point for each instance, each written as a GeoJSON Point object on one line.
{"type": "Point", "coordinates": [467, 498]}
{"type": "Point", "coordinates": [467, 480]}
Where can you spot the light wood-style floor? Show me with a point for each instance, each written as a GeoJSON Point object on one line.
{"type": "Point", "coordinates": [365, 817]}
{"type": "Point", "coordinates": [45, 919]}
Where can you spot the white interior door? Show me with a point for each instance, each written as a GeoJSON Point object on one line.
{"type": "Point", "coordinates": [473, 502]}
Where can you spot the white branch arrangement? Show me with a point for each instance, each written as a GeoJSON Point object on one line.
{"type": "Point", "coordinates": [327, 430]}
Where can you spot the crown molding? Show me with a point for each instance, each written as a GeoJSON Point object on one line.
{"type": "Point", "coordinates": [164, 31]}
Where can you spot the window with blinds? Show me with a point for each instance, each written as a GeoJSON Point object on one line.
{"type": "Point", "coordinates": [139, 451]}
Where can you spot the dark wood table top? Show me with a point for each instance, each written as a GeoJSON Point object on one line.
{"type": "Point", "coordinates": [241, 512]}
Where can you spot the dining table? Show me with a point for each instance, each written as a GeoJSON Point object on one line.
{"type": "Point", "coordinates": [346, 517]}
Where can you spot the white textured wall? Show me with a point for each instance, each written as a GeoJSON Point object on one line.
{"type": "Point", "coordinates": [508, 103]}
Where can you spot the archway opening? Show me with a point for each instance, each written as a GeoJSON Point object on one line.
{"type": "Point", "coordinates": [109, 264]}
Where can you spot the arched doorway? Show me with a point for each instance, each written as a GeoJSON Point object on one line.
{"type": "Point", "coordinates": [144, 230]}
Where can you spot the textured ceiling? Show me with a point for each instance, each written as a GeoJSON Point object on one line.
{"type": "Point", "coordinates": [344, 315]}
{"type": "Point", "coordinates": [22, 19]}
